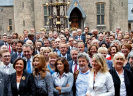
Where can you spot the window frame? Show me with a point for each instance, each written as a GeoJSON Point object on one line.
{"type": "Point", "coordinates": [101, 14]}
{"type": "Point", "coordinates": [46, 16]}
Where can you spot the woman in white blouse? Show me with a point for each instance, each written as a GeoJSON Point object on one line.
{"type": "Point", "coordinates": [63, 79]}
{"type": "Point", "coordinates": [100, 80]}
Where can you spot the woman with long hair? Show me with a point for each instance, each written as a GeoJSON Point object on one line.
{"type": "Point", "coordinates": [43, 79]}
{"type": "Point", "coordinates": [100, 80]}
{"type": "Point", "coordinates": [63, 79]}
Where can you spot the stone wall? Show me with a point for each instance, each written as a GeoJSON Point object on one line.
{"type": "Point", "coordinates": [6, 13]}
{"type": "Point", "coordinates": [24, 15]}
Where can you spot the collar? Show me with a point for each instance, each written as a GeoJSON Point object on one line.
{"type": "Point", "coordinates": [75, 63]}
{"type": "Point", "coordinates": [64, 74]}
{"type": "Point", "coordinates": [20, 53]}
{"type": "Point", "coordinates": [85, 72]}
{"type": "Point", "coordinates": [64, 56]}
{"type": "Point", "coordinates": [6, 66]}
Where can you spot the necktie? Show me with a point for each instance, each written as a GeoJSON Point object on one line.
{"type": "Point", "coordinates": [75, 67]}
{"type": "Point", "coordinates": [19, 55]}
{"type": "Point", "coordinates": [9, 48]}
{"type": "Point", "coordinates": [29, 66]}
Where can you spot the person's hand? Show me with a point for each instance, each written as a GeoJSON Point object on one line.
{"type": "Point", "coordinates": [67, 85]}
{"type": "Point", "coordinates": [58, 88]}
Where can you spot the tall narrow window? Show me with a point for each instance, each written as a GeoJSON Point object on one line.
{"type": "Point", "coordinates": [100, 13]}
{"type": "Point", "coordinates": [46, 14]}
{"type": "Point", "coordinates": [10, 24]}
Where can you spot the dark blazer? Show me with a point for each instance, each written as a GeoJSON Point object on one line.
{"type": "Point", "coordinates": [4, 85]}
{"type": "Point", "coordinates": [128, 78]}
{"type": "Point", "coordinates": [14, 56]}
{"type": "Point", "coordinates": [68, 57]}
{"type": "Point", "coordinates": [70, 65]}
{"type": "Point", "coordinates": [26, 86]}
{"type": "Point", "coordinates": [127, 66]}
{"type": "Point", "coordinates": [1, 43]}
{"type": "Point", "coordinates": [82, 38]}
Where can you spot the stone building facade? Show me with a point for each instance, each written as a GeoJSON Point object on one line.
{"type": "Point", "coordinates": [6, 17]}
{"type": "Point", "coordinates": [130, 14]}
{"type": "Point", "coordinates": [100, 14]}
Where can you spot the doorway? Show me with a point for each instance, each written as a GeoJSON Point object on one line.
{"type": "Point", "coordinates": [75, 18]}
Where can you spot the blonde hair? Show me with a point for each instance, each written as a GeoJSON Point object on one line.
{"type": "Point", "coordinates": [119, 54]}
{"type": "Point", "coordinates": [43, 68]}
{"type": "Point", "coordinates": [101, 61]}
{"type": "Point", "coordinates": [102, 49]}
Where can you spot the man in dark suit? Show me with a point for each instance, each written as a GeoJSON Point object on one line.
{"type": "Point", "coordinates": [63, 51]}
{"type": "Point", "coordinates": [80, 36]}
{"type": "Point", "coordinates": [73, 64]}
{"type": "Point", "coordinates": [4, 38]}
{"type": "Point", "coordinates": [19, 52]}
{"type": "Point", "coordinates": [1, 43]}
{"type": "Point", "coordinates": [129, 65]}
{"type": "Point", "coordinates": [70, 40]}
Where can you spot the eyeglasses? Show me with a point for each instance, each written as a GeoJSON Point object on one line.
{"type": "Point", "coordinates": [6, 56]}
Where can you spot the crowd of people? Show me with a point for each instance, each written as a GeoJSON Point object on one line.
{"type": "Point", "coordinates": [67, 63]}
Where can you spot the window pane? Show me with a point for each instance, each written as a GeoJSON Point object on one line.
{"type": "Point", "coordinates": [45, 10]}
{"type": "Point", "coordinates": [102, 19]}
{"type": "Point", "coordinates": [98, 8]}
{"type": "Point", "coordinates": [10, 27]}
{"type": "Point", "coordinates": [10, 21]}
{"type": "Point", "coordinates": [45, 20]}
{"type": "Point", "coordinates": [102, 8]}
{"type": "Point", "coordinates": [98, 19]}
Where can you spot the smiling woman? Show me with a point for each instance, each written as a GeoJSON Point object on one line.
{"type": "Point", "coordinates": [122, 77]}
{"type": "Point", "coordinates": [43, 79]}
{"type": "Point", "coordinates": [22, 83]}
{"type": "Point", "coordinates": [63, 79]}
{"type": "Point", "coordinates": [100, 80]}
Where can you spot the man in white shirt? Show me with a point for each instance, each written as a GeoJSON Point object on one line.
{"type": "Point", "coordinates": [82, 76]}
{"type": "Point", "coordinates": [5, 66]}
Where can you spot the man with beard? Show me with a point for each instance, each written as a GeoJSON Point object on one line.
{"type": "Point", "coordinates": [81, 75]}
{"type": "Point", "coordinates": [129, 65]}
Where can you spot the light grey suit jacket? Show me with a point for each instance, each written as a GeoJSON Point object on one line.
{"type": "Point", "coordinates": [11, 69]}
{"type": "Point", "coordinates": [65, 91]}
